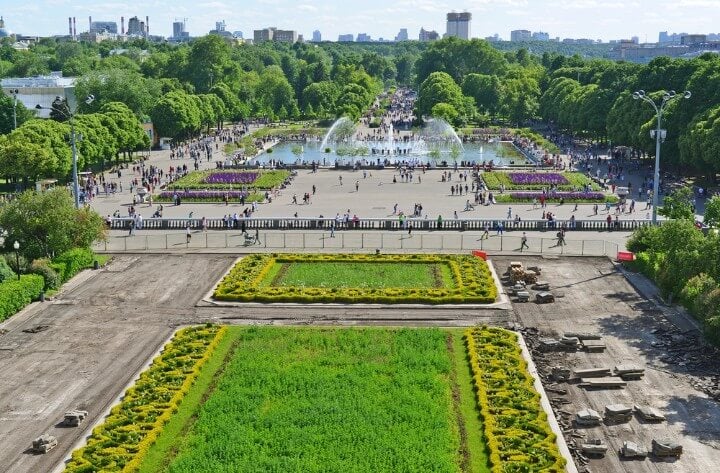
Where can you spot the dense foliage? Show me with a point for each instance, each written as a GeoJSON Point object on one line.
{"type": "Point", "coordinates": [685, 264]}
{"type": "Point", "coordinates": [318, 399]}
{"type": "Point", "coordinates": [121, 441]}
{"type": "Point", "coordinates": [252, 280]}
{"type": "Point", "coordinates": [516, 428]}
{"type": "Point", "coordinates": [16, 294]}
{"type": "Point", "coordinates": [47, 224]}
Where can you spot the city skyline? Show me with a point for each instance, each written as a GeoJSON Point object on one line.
{"type": "Point", "coordinates": [578, 19]}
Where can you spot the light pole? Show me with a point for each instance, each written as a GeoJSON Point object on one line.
{"type": "Point", "coordinates": [14, 93]}
{"type": "Point", "coordinates": [71, 118]}
{"type": "Point", "coordinates": [659, 135]}
{"type": "Point", "coordinates": [16, 246]}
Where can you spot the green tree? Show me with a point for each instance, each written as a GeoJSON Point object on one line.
{"type": "Point", "coordinates": [678, 205]}
{"type": "Point", "coordinates": [712, 212]}
{"type": "Point", "coordinates": [117, 85]}
{"type": "Point", "coordinates": [439, 87]}
{"type": "Point", "coordinates": [274, 91]}
{"type": "Point", "coordinates": [444, 111]}
{"type": "Point", "coordinates": [47, 224]}
{"type": "Point", "coordinates": [6, 114]}
{"type": "Point", "coordinates": [176, 115]}
{"type": "Point", "coordinates": [485, 89]}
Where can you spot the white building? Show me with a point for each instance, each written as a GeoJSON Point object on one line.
{"type": "Point", "coordinates": [43, 90]}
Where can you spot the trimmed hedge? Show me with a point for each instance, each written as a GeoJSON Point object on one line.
{"type": "Point", "coordinates": [473, 282]}
{"type": "Point", "coordinates": [518, 435]}
{"type": "Point", "coordinates": [121, 442]}
{"type": "Point", "coordinates": [71, 262]}
{"type": "Point", "coordinates": [14, 294]}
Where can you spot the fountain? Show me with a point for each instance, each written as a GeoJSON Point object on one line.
{"type": "Point", "coordinates": [342, 130]}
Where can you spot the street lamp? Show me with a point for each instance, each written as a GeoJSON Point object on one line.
{"type": "Point", "coordinates": [71, 118]}
{"type": "Point", "coordinates": [14, 93]}
{"type": "Point", "coordinates": [659, 135]}
{"type": "Point", "coordinates": [16, 246]}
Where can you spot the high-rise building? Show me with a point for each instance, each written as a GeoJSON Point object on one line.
{"type": "Point", "coordinates": [346, 38]}
{"type": "Point", "coordinates": [136, 27]}
{"type": "Point", "coordinates": [458, 25]}
{"type": "Point", "coordinates": [180, 34]}
{"type": "Point", "coordinates": [317, 36]}
{"type": "Point", "coordinates": [220, 26]}
{"type": "Point", "coordinates": [520, 35]}
{"type": "Point", "coordinates": [363, 38]}
{"type": "Point", "coordinates": [106, 26]}
{"type": "Point", "coordinates": [540, 36]}
{"type": "Point", "coordinates": [426, 35]}
{"type": "Point", "coordinates": [402, 35]}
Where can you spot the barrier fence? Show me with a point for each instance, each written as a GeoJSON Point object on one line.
{"type": "Point", "coordinates": [384, 224]}
{"type": "Point", "coordinates": [355, 241]}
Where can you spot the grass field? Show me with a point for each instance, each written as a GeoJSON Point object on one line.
{"type": "Point", "coordinates": [331, 400]}
{"type": "Point", "coordinates": [366, 274]}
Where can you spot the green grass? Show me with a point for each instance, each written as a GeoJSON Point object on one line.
{"type": "Point", "coordinates": [195, 180]}
{"type": "Point", "coordinates": [166, 445]}
{"type": "Point", "coordinates": [366, 275]}
{"type": "Point", "coordinates": [339, 400]}
{"type": "Point", "coordinates": [477, 449]}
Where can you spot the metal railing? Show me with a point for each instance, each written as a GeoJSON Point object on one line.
{"type": "Point", "coordinates": [354, 241]}
{"type": "Point", "coordinates": [378, 224]}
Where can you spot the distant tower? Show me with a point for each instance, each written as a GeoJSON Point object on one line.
{"type": "Point", "coordinates": [122, 25]}
{"type": "Point", "coordinates": [70, 25]}
{"type": "Point", "coordinates": [147, 26]}
{"type": "Point", "coordinates": [74, 35]}
{"type": "Point", "coordinates": [458, 25]}
{"type": "Point", "coordinates": [90, 24]}
{"type": "Point", "coordinates": [317, 36]}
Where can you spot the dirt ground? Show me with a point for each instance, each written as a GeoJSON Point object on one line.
{"type": "Point", "coordinates": [598, 299]}
{"type": "Point", "coordinates": [105, 326]}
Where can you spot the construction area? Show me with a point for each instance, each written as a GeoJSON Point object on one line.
{"type": "Point", "coordinates": [621, 370]}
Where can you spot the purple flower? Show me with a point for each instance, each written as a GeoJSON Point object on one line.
{"type": "Point", "coordinates": [203, 195]}
{"type": "Point", "coordinates": [520, 178]}
{"type": "Point", "coordinates": [529, 195]}
{"type": "Point", "coordinates": [229, 177]}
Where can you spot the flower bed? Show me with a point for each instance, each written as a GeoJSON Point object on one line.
{"type": "Point", "coordinates": [518, 435]}
{"type": "Point", "coordinates": [230, 179]}
{"type": "Point", "coordinates": [208, 196]}
{"type": "Point", "coordinates": [544, 178]}
{"type": "Point", "coordinates": [120, 443]}
{"type": "Point", "coordinates": [566, 181]}
{"type": "Point", "coordinates": [252, 280]}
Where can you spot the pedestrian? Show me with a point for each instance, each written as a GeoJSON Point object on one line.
{"type": "Point", "coordinates": [187, 233]}
{"type": "Point", "coordinates": [486, 234]}
{"type": "Point", "coordinates": [340, 179]}
{"type": "Point", "coordinates": [523, 242]}
{"type": "Point", "coordinates": [314, 189]}
{"type": "Point", "coordinates": [257, 236]}
{"type": "Point", "coordinates": [332, 229]}
{"type": "Point", "coordinates": [499, 229]}
{"type": "Point", "coordinates": [357, 186]}
{"type": "Point", "coordinates": [409, 227]}
{"type": "Point", "coordinates": [509, 214]}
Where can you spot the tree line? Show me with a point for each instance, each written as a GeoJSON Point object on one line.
{"type": "Point", "coordinates": [189, 88]}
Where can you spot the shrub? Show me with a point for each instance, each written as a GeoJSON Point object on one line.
{"type": "Point", "coordinates": [51, 277]}
{"type": "Point", "coordinates": [6, 272]}
{"type": "Point", "coordinates": [695, 291]}
{"type": "Point", "coordinates": [75, 260]}
{"type": "Point", "coordinates": [14, 294]}
{"type": "Point", "coordinates": [711, 329]}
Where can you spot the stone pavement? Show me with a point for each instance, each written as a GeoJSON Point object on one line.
{"type": "Point", "coordinates": [375, 197]}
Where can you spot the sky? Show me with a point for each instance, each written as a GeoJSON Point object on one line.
{"type": "Point", "coordinates": [595, 19]}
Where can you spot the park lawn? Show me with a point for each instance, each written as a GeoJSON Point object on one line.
{"type": "Point", "coordinates": [575, 181]}
{"type": "Point", "coordinates": [365, 274]}
{"type": "Point", "coordinates": [350, 400]}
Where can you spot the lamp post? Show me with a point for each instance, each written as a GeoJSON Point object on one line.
{"type": "Point", "coordinates": [71, 118]}
{"type": "Point", "coordinates": [14, 93]}
{"type": "Point", "coordinates": [659, 135]}
{"type": "Point", "coordinates": [16, 246]}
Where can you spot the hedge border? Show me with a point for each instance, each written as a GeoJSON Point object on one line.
{"type": "Point", "coordinates": [473, 282]}
{"type": "Point", "coordinates": [187, 342]}
{"type": "Point", "coordinates": [498, 358]}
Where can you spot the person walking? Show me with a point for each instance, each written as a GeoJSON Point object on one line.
{"type": "Point", "coordinates": [357, 186]}
{"type": "Point", "coordinates": [332, 230]}
{"type": "Point", "coordinates": [486, 234]}
{"type": "Point", "coordinates": [340, 179]}
{"type": "Point", "coordinates": [523, 242]}
{"type": "Point", "coordinates": [188, 235]}
{"type": "Point", "coordinates": [257, 236]}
